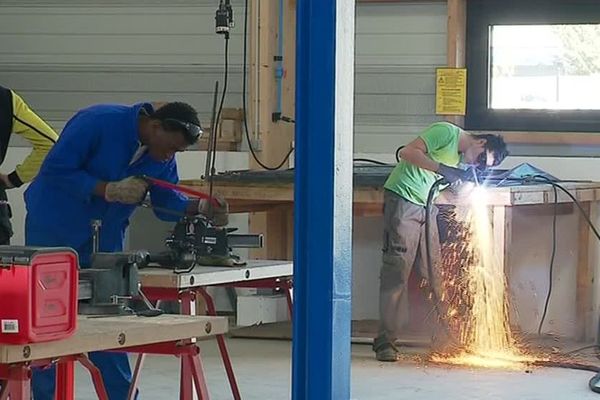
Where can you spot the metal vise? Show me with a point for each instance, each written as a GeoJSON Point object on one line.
{"type": "Point", "coordinates": [110, 282]}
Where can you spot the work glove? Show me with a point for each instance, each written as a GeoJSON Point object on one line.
{"type": "Point", "coordinates": [219, 214]}
{"type": "Point", "coordinates": [130, 190]}
{"type": "Point", "coordinates": [453, 175]}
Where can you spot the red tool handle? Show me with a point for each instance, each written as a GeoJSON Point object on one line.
{"type": "Point", "coordinates": [181, 189]}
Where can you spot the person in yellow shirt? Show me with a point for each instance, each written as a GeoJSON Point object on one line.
{"type": "Point", "coordinates": [16, 117]}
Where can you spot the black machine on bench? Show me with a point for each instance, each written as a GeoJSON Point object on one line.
{"type": "Point", "coordinates": [112, 278]}
{"type": "Point", "coordinates": [195, 241]}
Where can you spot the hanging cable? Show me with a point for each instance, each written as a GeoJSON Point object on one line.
{"type": "Point", "coordinates": [398, 153]}
{"type": "Point", "coordinates": [552, 256]}
{"type": "Point", "coordinates": [244, 63]}
{"type": "Point", "coordinates": [371, 161]}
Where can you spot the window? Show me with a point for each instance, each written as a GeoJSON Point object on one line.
{"type": "Point", "coordinates": [545, 67]}
{"type": "Point", "coordinates": [533, 66]}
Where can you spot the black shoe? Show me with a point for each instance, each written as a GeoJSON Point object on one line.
{"type": "Point", "coordinates": [385, 350]}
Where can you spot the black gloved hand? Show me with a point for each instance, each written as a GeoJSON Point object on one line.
{"type": "Point", "coordinates": [453, 174]}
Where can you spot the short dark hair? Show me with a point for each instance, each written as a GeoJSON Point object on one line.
{"type": "Point", "coordinates": [177, 111]}
{"type": "Point", "coordinates": [494, 143]}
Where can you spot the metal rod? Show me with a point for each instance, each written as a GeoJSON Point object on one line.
{"type": "Point", "coordinates": [96, 225]}
{"type": "Point", "coordinates": [213, 128]}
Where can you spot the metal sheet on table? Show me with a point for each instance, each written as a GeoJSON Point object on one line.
{"type": "Point", "coordinates": [364, 175]}
{"type": "Point", "coordinates": [211, 276]}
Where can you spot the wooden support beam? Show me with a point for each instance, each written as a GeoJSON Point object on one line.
{"type": "Point", "coordinates": [229, 135]}
{"type": "Point", "coordinates": [457, 43]}
{"type": "Point", "coordinates": [274, 138]}
{"type": "Point", "coordinates": [550, 138]}
{"type": "Point", "coordinates": [585, 278]}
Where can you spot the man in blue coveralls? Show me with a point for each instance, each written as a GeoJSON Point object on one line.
{"type": "Point", "coordinates": [92, 173]}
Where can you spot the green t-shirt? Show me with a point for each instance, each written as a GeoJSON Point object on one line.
{"type": "Point", "coordinates": [413, 183]}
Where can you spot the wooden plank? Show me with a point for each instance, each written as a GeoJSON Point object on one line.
{"type": "Point", "coordinates": [115, 332]}
{"type": "Point", "coordinates": [551, 138]}
{"type": "Point", "coordinates": [585, 279]}
{"type": "Point", "coordinates": [457, 43]}
{"type": "Point", "coordinates": [516, 195]}
{"type": "Point", "coordinates": [502, 234]}
{"type": "Point", "coordinates": [222, 145]}
{"type": "Point", "coordinates": [367, 209]}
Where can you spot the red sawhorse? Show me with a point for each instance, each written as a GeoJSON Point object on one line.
{"type": "Point", "coordinates": [189, 295]}
{"type": "Point", "coordinates": [15, 378]}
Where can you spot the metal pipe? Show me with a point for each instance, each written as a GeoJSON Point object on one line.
{"type": "Point", "coordinates": [279, 67]}
{"type": "Point", "coordinates": [257, 71]}
{"type": "Point", "coordinates": [96, 225]}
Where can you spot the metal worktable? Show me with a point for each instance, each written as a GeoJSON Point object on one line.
{"type": "Point", "coordinates": [164, 284]}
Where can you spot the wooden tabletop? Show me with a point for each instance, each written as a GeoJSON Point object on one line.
{"type": "Point", "coordinates": [211, 276]}
{"type": "Point", "coordinates": [115, 332]}
{"type": "Point", "coordinates": [246, 197]}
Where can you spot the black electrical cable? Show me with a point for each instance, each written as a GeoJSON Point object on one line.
{"type": "Point", "coordinates": [544, 179]}
{"type": "Point", "coordinates": [369, 160]}
{"type": "Point", "coordinates": [580, 349]}
{"type": "Point", "coordinates": [244, 63]}
{"type": "Point", "coordinates": [429, 259]}
{"type": "Point", "coordinates": [552, 257]}
{"type": "Point", "coordinates": [398, 153]}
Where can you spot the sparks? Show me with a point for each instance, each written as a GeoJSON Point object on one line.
{"type": "Point", "coordinates": [483, 325]}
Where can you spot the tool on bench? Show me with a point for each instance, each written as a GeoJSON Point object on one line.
{"type": "Point", "coordinates": [38, 294]}
{"type": "Point", "coordinates": [196, 241]}
{"type": "Point", "coordinates": [111, 281]}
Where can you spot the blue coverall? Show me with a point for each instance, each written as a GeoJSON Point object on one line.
{"type": "Point", "coordinates": [97, 144]}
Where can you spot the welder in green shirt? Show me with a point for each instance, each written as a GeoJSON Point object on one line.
{"type": "Point", "coordinates": [439, 152]}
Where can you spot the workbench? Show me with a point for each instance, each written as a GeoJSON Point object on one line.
{"type": "Point", "coordinates": [165, 334]}
{"type": "Point", "coordinates": [160, 284]}
{"type": "Point", "coordinates": [273, 192]}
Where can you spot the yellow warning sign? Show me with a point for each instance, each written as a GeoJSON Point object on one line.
{"type": "Point", "coordinates": [451, 91]}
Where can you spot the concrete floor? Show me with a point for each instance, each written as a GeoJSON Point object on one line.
{"type": "Point", "coordinates": [263, 372]}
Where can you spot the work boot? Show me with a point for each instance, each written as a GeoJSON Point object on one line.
{"type": "Point", "coordinates": [385, 350]}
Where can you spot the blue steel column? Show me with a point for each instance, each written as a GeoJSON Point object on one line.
{"type": "Point", "coordinates": [323, 199]}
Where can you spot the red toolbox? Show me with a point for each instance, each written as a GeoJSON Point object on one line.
{"type": "Point", "coordinates": [38, 294]}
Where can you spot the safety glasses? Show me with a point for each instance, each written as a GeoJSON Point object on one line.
{"type": "Point", "coordinates": [191, 131]}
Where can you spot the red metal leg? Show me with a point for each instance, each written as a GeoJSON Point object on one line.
{"type": "Point", "coordinates": [65, 380]}
{"type": "Point", "coordinates": [135, 379]}
{"type": "Point", "coordinates": [210, 308]}
{"type": "Point", "coordinates": [198, 374]}
{"type": "Point", "coordinates": [96, 377]}
{"type": "Point", "coordinates": [19, 390]}
{"type": "Point", "coordinates": [3, 390]}
{"type": "Point", "coordinates": [18, 383]}
{"type": "Point", "coordinates": [185, 378]}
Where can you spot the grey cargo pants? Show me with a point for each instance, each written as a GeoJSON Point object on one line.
{"type": "Point", "coordinates": [403, 247]}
